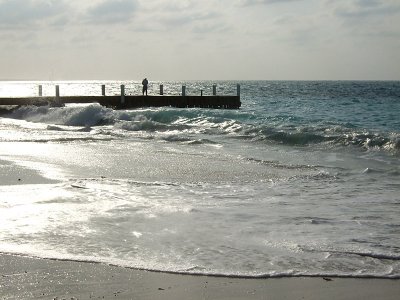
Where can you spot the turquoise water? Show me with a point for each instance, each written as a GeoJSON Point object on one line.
{"type": "Point", "coordinates": [302, 180]}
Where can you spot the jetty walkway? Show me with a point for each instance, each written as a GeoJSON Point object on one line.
{"type": "Point", "coordinates": [124, 101]}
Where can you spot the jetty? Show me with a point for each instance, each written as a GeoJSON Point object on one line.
{"type": "Point", "coordinates": [123, 101]}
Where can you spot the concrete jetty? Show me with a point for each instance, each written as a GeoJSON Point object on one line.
{"type": "Point", "coordinates": [133, 101]}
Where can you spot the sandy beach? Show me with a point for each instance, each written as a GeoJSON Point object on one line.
{"type": "Point", "coordinates": [33, 278]}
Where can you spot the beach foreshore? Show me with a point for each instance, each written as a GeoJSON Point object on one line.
{"type": "Point", "coordinates": [34, 278]}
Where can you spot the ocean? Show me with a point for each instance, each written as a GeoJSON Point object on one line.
{"type": "Point", "coordinates": [302, 180]}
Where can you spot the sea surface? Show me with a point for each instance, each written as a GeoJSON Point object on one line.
{"type": "Point", "coordinates": [302, 180]}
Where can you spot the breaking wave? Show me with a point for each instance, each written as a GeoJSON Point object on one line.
{"type": "Point", "coordinates": [235, 124]}
{"type": "Point", "coordinates": [342, 137]}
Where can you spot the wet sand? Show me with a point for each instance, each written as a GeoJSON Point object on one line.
{"type": "Point", "coordinates": [33, 278]}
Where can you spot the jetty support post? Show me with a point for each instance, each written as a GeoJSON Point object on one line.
{"type": "Point", "coordinates": [161, 89]}
{"type": "Point", "coordinates": [122, 94]}
{"type": "Point", "coordinates": [214, 90]}
{"type": "Point", "coordinates": [40, 91]}
{"type": "Point", "coordinates": [103, 90]}
{"type": "Point", "coordinates": [57, 93]}
{"type": "Point", "coordinates": [201, 93]}
{"type": "Point", "coordinates": [183, 90]}
{"type": "Point", "coordinates": [238, 90]}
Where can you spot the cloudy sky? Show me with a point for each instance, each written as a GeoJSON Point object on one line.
{"type": "Point", "coordinates": [207, 39]}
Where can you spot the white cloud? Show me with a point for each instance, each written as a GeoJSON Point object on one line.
{"type": "Point", "coordinates": [20, 14]}
{"type": "Point", "coordinates": [257, 2]}
{"type": "Point", "coordinates": [112, 11]}
{"type": "Point", "coordinates": [189, 39]}
{"type": "Point", "coordinates": [357, 10]}
{"type": "Point", "coordinates": [371, 20]}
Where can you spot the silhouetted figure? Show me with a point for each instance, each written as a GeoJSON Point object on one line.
{"type": "Point", "coordinates": [145, 83]}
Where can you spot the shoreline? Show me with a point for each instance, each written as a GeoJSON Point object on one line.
{"type": "Point", "coordinates": [24, 277]}
{"type": "Point", "coordinates": [12, 174]}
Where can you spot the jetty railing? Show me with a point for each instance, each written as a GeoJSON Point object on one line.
{"type": "Point", "coordinates": [123, 100]}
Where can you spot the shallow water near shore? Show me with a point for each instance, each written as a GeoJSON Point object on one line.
{"type": "Point", "coordinates": [302, 180]}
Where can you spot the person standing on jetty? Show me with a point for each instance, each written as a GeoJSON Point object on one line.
{"type": "Point", "coordinates": [145, 82]}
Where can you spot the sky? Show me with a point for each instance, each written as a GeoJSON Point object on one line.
{"type": "Point", "coordinates": [200, 40]}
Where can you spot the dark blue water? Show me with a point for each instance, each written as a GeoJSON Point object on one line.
{"type": "Point", "coordinates": [358, 113]}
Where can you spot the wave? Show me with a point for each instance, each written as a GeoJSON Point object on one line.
{"type": "Point", "coordinates": [62, 128]}
{"type": "Point", "coordinates": [83, 115]}
{"type": "Point", "coordinates": [370, 255]}
{"type": "Point", "coordinates": [329, 136]}
{"type": "Point", "coordinates": [279, 165]}
{"type": "Point", "coordinates": [197, 271]}
{"type": "Point", "coordinates": [185, 122]}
